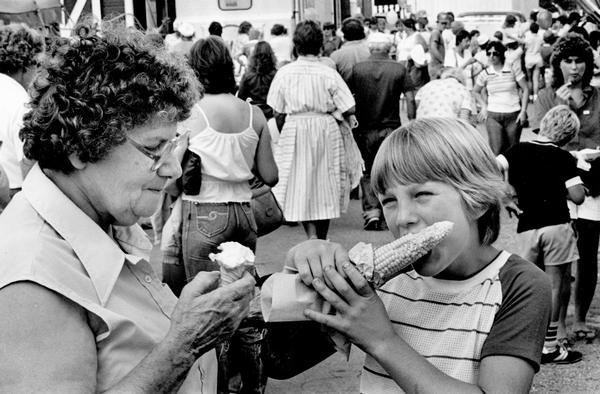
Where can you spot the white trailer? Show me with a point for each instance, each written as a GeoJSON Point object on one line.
{"type": "Point", "coordinates": [263, 14]}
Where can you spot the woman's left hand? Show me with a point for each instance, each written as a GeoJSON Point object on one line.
{"type": "Point", "coordinates": [522, 118]}
{"type": "Point", "coordinates": [359, 312]}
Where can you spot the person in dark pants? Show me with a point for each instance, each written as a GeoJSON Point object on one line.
{"type": "Point", "coordinates": [377, 85]}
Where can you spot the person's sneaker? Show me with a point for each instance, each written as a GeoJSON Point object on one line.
{"type": "Point", "coordinates": [561, 355]}
{"type": "Point", "coordinates": [372, 224]}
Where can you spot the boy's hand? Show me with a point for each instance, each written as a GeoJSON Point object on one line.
{"type": "Point", "coordinates": [311, 257]}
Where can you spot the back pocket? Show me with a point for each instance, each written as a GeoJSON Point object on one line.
{"type": "Point", "coordinates": [211, 219]}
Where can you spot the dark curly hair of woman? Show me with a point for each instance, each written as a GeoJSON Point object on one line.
{"type": "Point", "coordinates": [211, 61]}
{"type": "Point", "coordinates": [19, 47]}
{"type": "Point", "coordinates": [93, 90]}
{"type": "Point", "coordinates": [572, 44]}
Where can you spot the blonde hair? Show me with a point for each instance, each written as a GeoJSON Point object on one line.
{"type": "Point", "coordinates": [449, 151]}
{"type": "Point", "coordinates": [559, 125]}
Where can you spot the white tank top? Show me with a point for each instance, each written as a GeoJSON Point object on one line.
{"type": "Point", "coordinates": [227, 161]}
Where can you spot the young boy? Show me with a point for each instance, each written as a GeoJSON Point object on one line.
{"type": "Point", "coordinates": [544, 176]}
{"type": "Point", "coordinates": [468, 317]}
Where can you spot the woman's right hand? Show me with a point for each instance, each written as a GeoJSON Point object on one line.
{"type": "Point", "coordinates": [563, 94]}
{"type": "Point", "coordinates": [311, 257]}
{"type": "Point", "coordinates": [205, 314]}
{"type": "Point", "coordinates": [482, 115]}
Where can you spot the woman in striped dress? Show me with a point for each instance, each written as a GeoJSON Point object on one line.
{"type": "Point", "coordinates": [310, 154]}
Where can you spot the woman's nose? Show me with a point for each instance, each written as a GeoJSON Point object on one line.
{"type": "Point", "coordinates": [171, 168]}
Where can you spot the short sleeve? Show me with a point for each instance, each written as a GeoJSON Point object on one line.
{"type": "Point", "coordinates": [517, 71]}
{"type": "Point", "coordinates": [341, 95]}
{"type": "Point", "coordinates": [482, 78]}
{"type": "Point", "coordinates": [520, 323]}
{"type": "Point", "coordinates": [569, 166]}
{"type": "Point", "coordinates": [276, 98]}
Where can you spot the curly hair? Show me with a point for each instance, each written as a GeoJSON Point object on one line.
{"type": "Point", "coordinates": [92, 91]}
{"type": "Point", "coordinates": [308, 38]}
{"type": "Point", "coordinates": [263, 60]}
{"type": "Point", "coordinates": [211, 61]}
{"type": "Point", "coordinates": [572, 44]}
{"type": "Point", "coordinates": [19, 47]}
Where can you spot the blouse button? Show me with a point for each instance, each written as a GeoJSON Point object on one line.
{"type": "Point", "coordinates": [148, 279]}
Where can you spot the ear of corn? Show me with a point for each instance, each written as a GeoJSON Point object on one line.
{"type": "Point", "coordinates": [391, 259]}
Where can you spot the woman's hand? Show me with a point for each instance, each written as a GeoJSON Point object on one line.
{"type": "Point", "coordinates": [205, 314]}
{"type": "Point", "coordinates": [311, 257]}
{"type": "Point", "coordinates": [359, 312]}
{"type": "Point", "coordinates": [522, 118]}
{"type": "Point", "coordinates": [563, 94]}
{"type": "Point", "coordinates": [482, 115]}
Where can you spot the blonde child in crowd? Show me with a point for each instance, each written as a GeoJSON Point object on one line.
{"type": "Point", "coordinates": [544, 175]}
{"type": "Point", "coordinates": [468, 317]}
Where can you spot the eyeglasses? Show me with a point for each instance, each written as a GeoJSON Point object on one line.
{"type": "Point", "coordinates": [492, 53]}
{"type": "Point", "coordinates": [161, 154]}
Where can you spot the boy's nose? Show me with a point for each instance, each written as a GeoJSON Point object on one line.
{"type": "Point", "coordinates": [406, 217]}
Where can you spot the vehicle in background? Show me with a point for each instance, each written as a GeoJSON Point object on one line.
{"type": "Point", "coordinates": [488, 22]}
{"type": "Point", "coordinates": [263, 14]}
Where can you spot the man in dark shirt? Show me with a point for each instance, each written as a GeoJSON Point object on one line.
{"type": "Point", "coordinates": [377, 84]}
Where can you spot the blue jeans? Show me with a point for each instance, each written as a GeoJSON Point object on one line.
{"type": "Point", "coordinates": [207, 225]}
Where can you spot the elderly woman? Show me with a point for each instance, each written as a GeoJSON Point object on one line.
{"type": "Point", "coordinates": [87, 312]}
{"type": "Point", "coordinates": [502, 107]}
{"type": "Point", "coordinates": [310, 155]}
{"type": "Point", "coordinates": [447, 97]}
{"type": "Point", "coordinates": [572, 65]}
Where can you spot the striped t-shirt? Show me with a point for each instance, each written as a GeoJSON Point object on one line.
{"type": "Point", "coordinates": [501, 310]}
{"type": "Point", "coordinates": [502, 89]}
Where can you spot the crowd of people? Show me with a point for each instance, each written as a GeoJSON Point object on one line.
{"type": "Point", "coordinates": [112, 125]}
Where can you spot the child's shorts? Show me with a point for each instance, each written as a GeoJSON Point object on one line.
{"type": "Point", "coordinates": [550, 245]}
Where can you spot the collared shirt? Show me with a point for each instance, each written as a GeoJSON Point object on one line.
{"type": "Point", "coordinates": [13, 104]}
{"type": "Point", "coordinates": [377, 85]}
{"type": "Point", "coordinates": [48, 240]}
{"type": "Point", "coordinates": [348, 55]}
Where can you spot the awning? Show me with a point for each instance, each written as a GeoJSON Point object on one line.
{"type": "Point", "coordinates": [21, 6]}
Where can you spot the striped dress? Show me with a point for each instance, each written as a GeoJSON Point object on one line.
{"type": "Point", "coordinates": [501, 310]}
{"type": "Point", "coordinates": [310, 153]}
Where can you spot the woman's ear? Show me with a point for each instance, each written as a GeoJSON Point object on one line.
{"type": "Point", "coordinates": [76, 162]}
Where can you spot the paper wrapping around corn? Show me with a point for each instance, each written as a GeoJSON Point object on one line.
{"type": "Point", "coordinates": [234, 260]}
{"type": "Point", "coordinates": [284, 297]}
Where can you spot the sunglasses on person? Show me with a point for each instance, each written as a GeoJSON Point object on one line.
{"type": "Point", "coordinates": [160, 154]}
{"type": "Point", "coordinates": [492, 53]}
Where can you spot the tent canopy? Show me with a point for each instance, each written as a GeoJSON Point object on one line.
{"type": "Point", "coordinates": [22, 6]}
